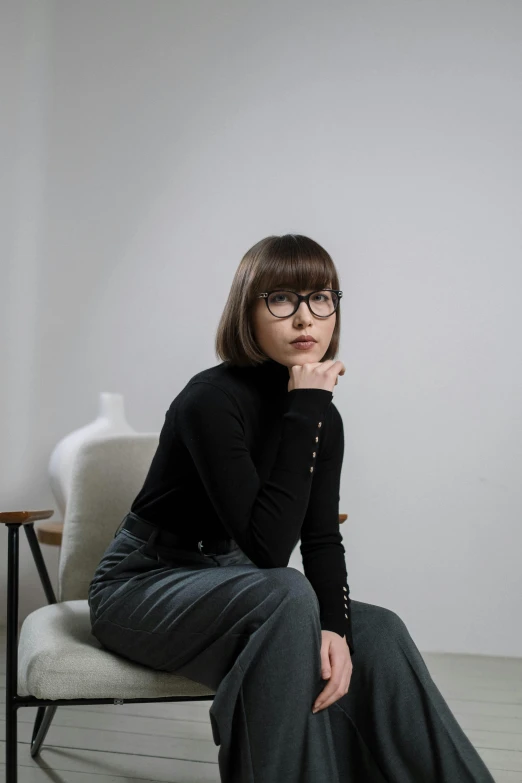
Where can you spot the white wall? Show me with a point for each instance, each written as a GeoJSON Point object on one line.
{"type": "Point", "coordinates": [147, 145]}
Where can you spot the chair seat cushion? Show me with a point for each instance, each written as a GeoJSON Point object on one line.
{"type": "Point", "coordinates": [59, 658]}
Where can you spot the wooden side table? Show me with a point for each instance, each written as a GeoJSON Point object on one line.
{"type": "Point", "coordinates": [50, 533]}
{"type": "Point", "coordinates": [13, 520]}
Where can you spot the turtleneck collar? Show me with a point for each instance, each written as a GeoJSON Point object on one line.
{"type": "Point", "coordinates": [270, 365]}
{"type": "Point", "coordinates": [272, 375]}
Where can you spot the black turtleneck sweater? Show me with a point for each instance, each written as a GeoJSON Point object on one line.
{"type": "Point", "coordinates": [239, 456]}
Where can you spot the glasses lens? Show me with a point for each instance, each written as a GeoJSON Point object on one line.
{"type": "Point", "coordinates": [323, 302]}
{"type": "Point", "coordinates": [284, 303]}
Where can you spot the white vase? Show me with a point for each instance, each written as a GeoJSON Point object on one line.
{"type": "Point", "coordinates": [110, 421]}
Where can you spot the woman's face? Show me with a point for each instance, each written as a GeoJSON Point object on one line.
{"type": "Point", "coordinates": [274, 335]}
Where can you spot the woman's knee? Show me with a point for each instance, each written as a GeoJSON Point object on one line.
{"type": "Point", "coordinates": [294, 588]}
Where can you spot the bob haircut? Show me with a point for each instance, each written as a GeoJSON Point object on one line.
{"type": "Point", "coordinates": [293, 262]}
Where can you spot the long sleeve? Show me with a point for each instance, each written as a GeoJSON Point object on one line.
{"type": "Point", "coordinates": [321, 545]}
{"type": "Point", "coordinates": [265, 518]}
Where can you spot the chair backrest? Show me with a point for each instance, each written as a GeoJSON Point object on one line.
{"type": "Point", "coordinates": [107, 474]}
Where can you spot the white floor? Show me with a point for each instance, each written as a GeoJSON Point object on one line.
{"type": "Point", "coordinates": [173, 742]}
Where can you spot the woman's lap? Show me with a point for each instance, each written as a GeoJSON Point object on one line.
{"type": "Point", "coordinates": [162, 612]}
{"type": "Point", "coordinates": [156, 592]}
{"type": "Point", "coordinates": [166, 612]}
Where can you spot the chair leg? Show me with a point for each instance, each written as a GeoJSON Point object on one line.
{"type": "Point", "coordinates": [11, 708]}
{"type": "Point", "coordinates": [42, 723]}
{"type": "Point", "coordinates": [11, 740]}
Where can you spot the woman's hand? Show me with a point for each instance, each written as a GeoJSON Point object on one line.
{"type": "Point", "coordinates": [336, 665]}
{"type": "Point", "coordinates": [315, 375]}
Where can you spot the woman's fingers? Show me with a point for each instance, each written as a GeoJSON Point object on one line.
{"type": "Point", "coordinates": [325, 662]}
{"type": "Point", "coordinates": [340, 675]}
{"type": "Point", "coordinates": [336, 687]}
{"type": "Point", "coordinates": [331, 694]}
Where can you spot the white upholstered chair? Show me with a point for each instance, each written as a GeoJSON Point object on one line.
{"type": "Point", "coordinates": [56, 660]}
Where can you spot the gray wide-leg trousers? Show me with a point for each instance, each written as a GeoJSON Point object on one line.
{"type": "Point", "coordinates": [253, 636]}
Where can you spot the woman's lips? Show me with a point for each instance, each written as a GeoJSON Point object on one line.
{"type": "Point", "coordinates": [302, 345]}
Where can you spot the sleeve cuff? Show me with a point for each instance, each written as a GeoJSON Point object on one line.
{"type": "Point", "coordinates": [309, 401]}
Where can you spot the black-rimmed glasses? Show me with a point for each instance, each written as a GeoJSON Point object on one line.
{"type": "Point", "coordinates": [282, 303]}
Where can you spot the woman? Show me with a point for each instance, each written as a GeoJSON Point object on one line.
{"type": "Point", "coordinates": [196, 580]}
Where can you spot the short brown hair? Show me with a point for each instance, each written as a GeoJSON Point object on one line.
{"type": "Point", "coordinates": [291, 261]}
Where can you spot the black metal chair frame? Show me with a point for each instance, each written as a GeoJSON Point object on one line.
{"type": "Point", "coordinates": [46, 707]}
